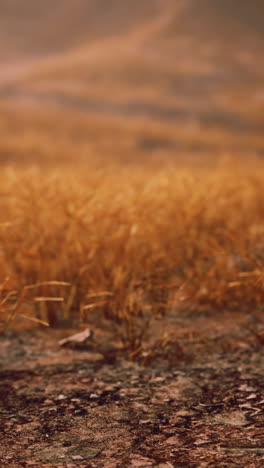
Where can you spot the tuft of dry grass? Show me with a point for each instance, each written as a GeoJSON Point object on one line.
{"type": "Point", "coordinates": [131, 243]}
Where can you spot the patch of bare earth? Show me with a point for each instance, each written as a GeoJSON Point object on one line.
{"type": "Point", "coordinates": [202, 406]}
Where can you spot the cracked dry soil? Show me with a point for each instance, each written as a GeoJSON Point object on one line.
{"type": "Point", "coordinates": [68, 408]}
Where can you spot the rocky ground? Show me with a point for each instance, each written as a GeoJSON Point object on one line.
{"type": "Point", "coordinates": [202, 406]}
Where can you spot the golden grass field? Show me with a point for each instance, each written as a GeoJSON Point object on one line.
{"type": "Point", "coordinates": [122, 239]}
{"type": "Point", "coordinates": [131, 171]}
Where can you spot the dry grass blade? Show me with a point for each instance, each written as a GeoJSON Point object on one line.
{"type": "Point", "coordinates": [48, 299]}
{"type": "Point", "coordinates": [34, 319]}
{"type": "Point", "coordinates": [46, 283]}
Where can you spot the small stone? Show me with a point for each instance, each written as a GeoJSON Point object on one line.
{"type": "Point", "coordinates": [94, 396]}
{"type": "Point", "coordinates": [166, 465]}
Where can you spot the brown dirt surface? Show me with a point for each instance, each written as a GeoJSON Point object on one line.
{"type": "Point", "coordinates": [199, 406]}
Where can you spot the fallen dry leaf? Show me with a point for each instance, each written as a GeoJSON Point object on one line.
{"type": "Point", "coordinates": [83, 337]}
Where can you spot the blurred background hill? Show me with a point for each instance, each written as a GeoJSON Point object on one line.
{"type": "Point", "coordinates": [35, 27]}
{"type": "Point", "coordinates": [189, 65]}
